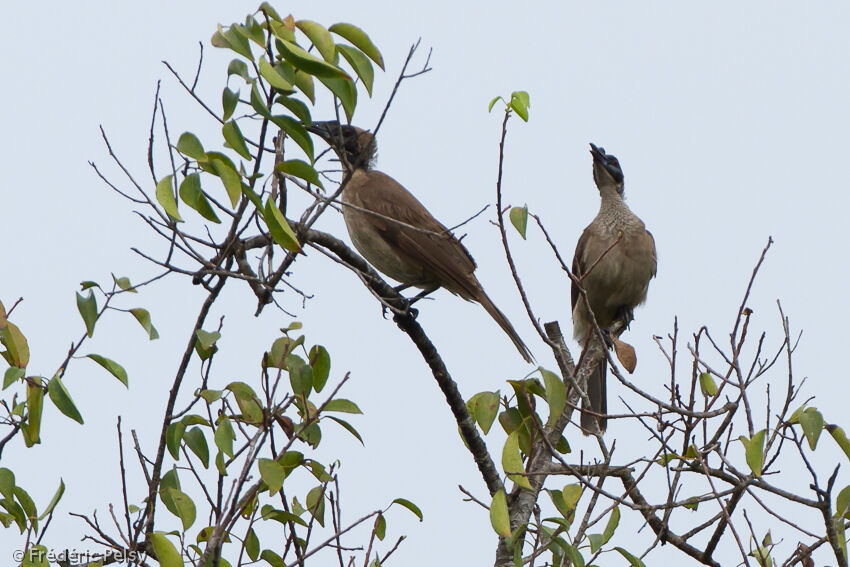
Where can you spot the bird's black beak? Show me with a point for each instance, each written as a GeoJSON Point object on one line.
{"type": "Point", "coordinates": [327, 129]}
{"type": "Point", "coordinates": [597, 152]}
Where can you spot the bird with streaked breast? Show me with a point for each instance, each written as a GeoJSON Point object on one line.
{"type": "Point", "coordinates": [396, 234]}
{"type": "Point", "coordinates": [615, 258]}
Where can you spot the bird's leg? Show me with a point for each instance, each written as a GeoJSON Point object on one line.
{"type": "Point", "coordinates": [626, 314]}
{"type": "Point", "coordinates": [421, 295]}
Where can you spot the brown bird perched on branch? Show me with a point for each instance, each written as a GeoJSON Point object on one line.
{"type": "Point", "coordinates": [615, 259]}
{"type": "Point", "coordinates": [396, 233]}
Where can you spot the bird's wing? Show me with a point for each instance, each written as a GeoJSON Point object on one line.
{"type": "Point", "coordinates": [579, 265]}
{"type": "Point", "coordinates": [425, 240]}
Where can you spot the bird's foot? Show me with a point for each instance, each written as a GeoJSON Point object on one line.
{"type": "Point", "coordinates": [626, 315]}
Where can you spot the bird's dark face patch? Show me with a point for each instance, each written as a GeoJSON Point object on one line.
{"type": "Point", "coordinates": [605, 165]}
{"type": "Point", "coordinates": [355, 145]}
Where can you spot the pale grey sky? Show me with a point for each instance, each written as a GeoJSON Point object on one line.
{"type": "Point", "coordinates": [730, 121]}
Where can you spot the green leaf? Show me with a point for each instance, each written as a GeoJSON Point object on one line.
{"type": "Point", "coordinates": [633, 561]}
{"type": "Point", "coordinates": [512, 462]}
{"type": "Point", "coordinates": [410, 506]}
{"type": "Point", "coordinates": [360, 40]}
{"type": "Point", "coordinates": [341, 405]}
{"type": "Point", "coordinates": [556, 395]}
{"type": "Point", "coordinates": [483, 407]}
{"type": "Point", "coordinates": [248, 402]}
{"type": "Point", "coordinates": [519, 218]}
{"type": "Point", "coordinates": [112, 367]}
{"type": "Point", "coordinates": [87, 307]}
{"type": "Point", "coordinates": [257, 102]}
{"type": "Point", "coordinates": [7, 483]}
{"type": "Point", "coordinates": [274, 78]}
{"type": "Point", "coordinates": [190, 146]}
{"type": "Point", "coordinates": [520, 103]}
{"type": "Point", "coordinates": [62, 399]}
{"type": "Point", "coordinates": [234, 138]}
{"type": "Point", "coordinates": [35, 404]}
{"type": "Point", "coordinates": [301, 80]}
{"type": "Point", "coordinates": [17, 349]}
{"type": "Point", "coordinates": [224, 436]}
{"type": "Point", "coordinates": [239, 67]}
{"type": "Point", "coordinates": [191, 194]}
{"type": "Point", "coordinates": [272, 558]}
{"type": "Point", "coordinates": [292, 53]}
{"type": "Point", "coordinates": [205, 345]}
{"type": "Point", "coordinates": [499, 518]}
{"type": "Point", "coordinates": [298, 108]}
{"type": "Point", "coordinates": [272, 474]}
{"type": "Point", "coordinates": [296, 131]}
{"type": "Point", "coordinates": [348, 427]}
{"type": "Point", "coordinates": [315, 502]}
{"type": "Point", "coordinates": [210, 396]}
{"type": "Point", "coordinates": [837, 434]}
{"type": "Point", "coordinates": [27, 505]}
{"type": "Point", "coordinates": [232, 39]}
{"type": "Point", "coordinates": [345, 91]}
{"type": "Point", "coordinates": [197, 443]}
{"type": "Point", "coordinates": [144, 319]}
{"type": "Point", "coordinates": [754, 451]}
{"type": "Point", "coordinates": [598, 540]}
{"type": "Point", "coordinates": [166, 553]}
{"type": "Point", "coordinates": [279, 227]}
{"type": "Point", "coordinates": [179, 504]}
{"type": "Point", "coordinates": [222, 167]}
{"type": "Point", "coordinates": [380, 527]}
{"type": "Point", "coordinates": [12, 375]}
{"type": "Point", "coordinates": [252, 544]}
{"type": "Point", "coordinates": [361, 65]}
{"type": "Point", "coordinates": [320, 361]}
{"type": "Point", "coordinates": [300, 169]}
{"type": "Point", "coordinates": [229, 99]}
{"type": "Point", "coordinates": [270, 513]}
{"type": "Point", "coordinates": [493, 103]}
{"type": "Point", "coordinates": [300, 375]}
{"type": "Point", "coordinates": [320, 37]}
{"type": "Point", "coordinates": [165, 197]}
{"type": "Point", "coordinates": [124, 284]}
{"type": "Point", "coordinates": [54, 501]}
{"type": "Point", "coordinates": [811, 421]}
{"type": "Point", "coordinates": [707, 384]}
{"type": "Point", "coordinates": [173, 438]}
{"type": "Point", "coordinates": [795, 417]}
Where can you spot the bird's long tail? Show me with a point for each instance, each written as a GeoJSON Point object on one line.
{"type": "Point", "coordinates": [598, 400]}
{"type": "Point", "coordinates": [506, 326]}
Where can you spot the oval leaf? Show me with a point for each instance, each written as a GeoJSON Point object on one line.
{"type": "Point", "coordinates": [279, 227]}
{"type": "Point", "coordinates": [62, 399]}
{"type": "Point", "coordinates": [190, 146]}
{"type": "Point", "coordinates": [360, 40]}
{"type": "Point", "coordinates": [144, 319]}
{"type": "Point", "coordinates": [234, 138]}
{"type": "Point", "coordinates": [499, 518]}
{"type": "Point", "coordinates": [320, 37]}
{"type": "Point", "coordinates": [519, 218]}
{"type": "Point", "coordinates": [512, 461]}
{"type": "Point", "coordinates": [87, 307]}
{"type": "Point", "coordinates": [165, 197]}
{"type": "Point", "coordinates": [166, 553]}
{"type": "Point", "coordinates": [410, 506]}
{"type": "Point", "coordinates": [112, 367]}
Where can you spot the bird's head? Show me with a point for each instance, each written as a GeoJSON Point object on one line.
{"type": "Point", "coordinates": [354, 146]}
{"type": "Point", "coordinates": [606, 169]}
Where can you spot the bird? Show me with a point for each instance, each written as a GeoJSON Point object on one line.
{"type": "Point", "coordinates": [395, 232]}
{"type": "Point", "coordinates": [614, 260]}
